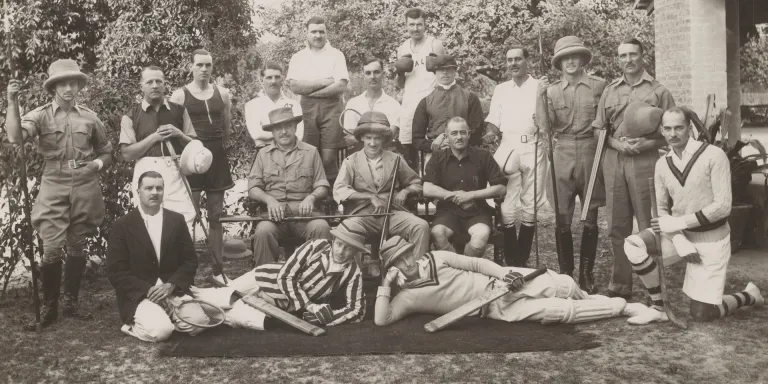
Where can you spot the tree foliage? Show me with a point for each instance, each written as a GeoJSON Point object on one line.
{"type": "Point", "coordinates": [754, 61]}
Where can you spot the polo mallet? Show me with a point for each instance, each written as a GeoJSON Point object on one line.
{"type": "Point", "coordinates": [239, 218]}
{"type": "Point", "coordinates": [474, 305]}
{"type": "Point", "coordinates": [660, 262]}
{"type": "Point", "coordinates": [30, 255]}
{"type": "Point", "coordinates": [216, 257]}
{"type": "Point", "coordinates": [385, 227]}
{"type": "Point", "coordinates": [199, 313]}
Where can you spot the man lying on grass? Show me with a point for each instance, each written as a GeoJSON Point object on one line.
{"type": "Point", "coordinates": [441, 281]}
{"type": "Point", "coordinates": [693, 193]}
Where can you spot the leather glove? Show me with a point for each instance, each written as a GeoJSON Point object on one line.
{"type": "Point", "coordinates": [404, 64]}
{"type": "Point", "coordinates": [322, 312]}
{"type": "Point", "coordinates": [312, 319]}
{"type": "Point", "coordinates": [430, 62]}
{"type": "Point", "coordinates": [514, 280]}
{"type": "Point", "coordinates": [669, 224]}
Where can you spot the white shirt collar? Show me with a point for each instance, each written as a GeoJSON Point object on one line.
{"type": "Point", "coordinates": [690, 148]}
{"type": "Point", "coordinates": [145, 105]}
{"type": "Point", "coordinates": [146, 217]}
{"type": "Point", "coordinates": [447, 86]}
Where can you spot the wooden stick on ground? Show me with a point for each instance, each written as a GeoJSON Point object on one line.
{"type": "Point", "coordinates": [233, 219]}
{"type": "Point", "coordinates": [273, 311]}
{"type": "Point", "coordinates": [660, 262]}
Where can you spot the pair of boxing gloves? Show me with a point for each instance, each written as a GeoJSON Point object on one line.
{"type": "Point", "coordinates": [405, 63]}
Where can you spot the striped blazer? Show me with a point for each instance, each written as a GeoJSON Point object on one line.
{"type": "Point", "coordinates": [303, 279]}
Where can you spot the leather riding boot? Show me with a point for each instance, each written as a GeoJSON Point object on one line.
{"type": "Point", "coordinates": [511, 250]}
{"type": "Point", "coordinates": [50, 278]}
{"type": "Point", "coordinates": [565, 258]}
{"type": "Point", "coordinates": [587, 259]}
{"type": "Point", "coordinates": [525, 240]}
{"type": "Point", "coordinates": [74, 270]}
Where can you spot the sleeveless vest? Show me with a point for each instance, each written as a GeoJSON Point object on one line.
{"type": "Point", "coordinates": [146, 123]}
{"type": "Point", "coordinates": [206, 115]}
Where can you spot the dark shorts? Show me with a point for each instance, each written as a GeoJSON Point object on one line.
{"type": "Point", "coordinates": [321, 122]}
{"type": "Point", "coordinates": [458, 224]}
{"type": "Point", "coordinates": [218, 177]}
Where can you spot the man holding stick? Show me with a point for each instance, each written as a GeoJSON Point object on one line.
{"type": "Point", "coordinates": [69, 206]}
{"type": "Point", "coordinates": [287, 177]}
{"type": "Point", "coordinates": [693, 194]}
{"type": "Point", "coordinates": [571, 105]}
{"type": "Point", "coordinates": [366, 180]}
{"type": "Point", "coordinates": [440, 281]}
{"type": "Point", "coordinates": [629, 160]}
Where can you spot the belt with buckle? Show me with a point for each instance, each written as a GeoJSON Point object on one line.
{"type": "Point", "coordinates": [523, 138]}
{"type": "Point", "coordinates": [75, 164]}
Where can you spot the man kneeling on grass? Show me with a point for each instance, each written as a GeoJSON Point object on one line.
{"type": "Point", "coordinates": [315, 271]}
{"type": "Point", "coordinates": [441, 281]}
{"type": "Point", "coordinates": [693, 193]}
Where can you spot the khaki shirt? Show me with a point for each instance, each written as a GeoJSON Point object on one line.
{"type": "Point", "coordinates": [618, 94]}
{"type": "Point", "coordinates": [571, 107]}
{"type": "Point", "coordinates": [288, 176]}
{"type": "Point", "coordinates": [77, 134]}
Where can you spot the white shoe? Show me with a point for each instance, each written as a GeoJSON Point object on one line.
{"type": "Point", "coordinates": [634, 309]}
{"type": "Point", "coordinates": [754, 291]}
{"type": "Point", "coordinates": [223, 279]}
{"type": "Point", "coordinates": [127, 330]}
{"type": "Point", "coordinates": [651, 315]}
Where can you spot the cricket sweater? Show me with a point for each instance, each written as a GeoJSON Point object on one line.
{"type": "Point", "coordinates": [700, 193]}
{"type": "Point", "coordinates": [446, 282]}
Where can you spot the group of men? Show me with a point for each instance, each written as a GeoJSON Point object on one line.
{"type": "Point", "coordinates": [151, 262]}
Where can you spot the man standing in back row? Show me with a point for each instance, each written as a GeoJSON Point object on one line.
{"type": "Point", "coordinates": [319, 74]}
{"type": "Point", "coordinates": [209, 108]}
{"type": "Point", "coordinates": [629, 159]}
{"type": "Point", "coordinates": [412, 74]}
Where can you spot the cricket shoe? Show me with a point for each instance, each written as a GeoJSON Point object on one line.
{"type": "Point", "coordinates": [222, 278]}
{"type": "Point", "coordinates": [634, 309]}
{"type": "Point", "coordinates": [754, 291]}
{"type": "Point", "coordinates": [654, 314]}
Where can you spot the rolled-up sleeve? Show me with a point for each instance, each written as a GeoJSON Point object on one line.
{"type": "Point", "coordinates": [340, 67]}
{"type": "Point", "coordinates": [99, 141]}
{"type": "Point", "coordinates": [30, 122]}
{"type": "Point", "coordinates": [127, 133]}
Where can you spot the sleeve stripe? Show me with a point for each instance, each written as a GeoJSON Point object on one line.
{"type": "Point", "coordinates": [702, 219]}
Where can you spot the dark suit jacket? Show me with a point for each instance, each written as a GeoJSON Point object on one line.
{"type": "Point", "coordinates": [132, 266]}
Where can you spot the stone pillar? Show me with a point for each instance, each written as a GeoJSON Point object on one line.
{"type": "Point", "coordinates": [732, 24]}
{"type": "Point", "coordinates": [691, 50]}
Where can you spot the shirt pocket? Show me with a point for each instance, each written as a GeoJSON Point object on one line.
{"type": "Point", "coordinates": [304, 179]}
{"type": "Point", "coordinates": [271, 178]}
{"type": "Point", "coordinates": [562, 112]}
{"type": "Point", "coordinates": [81, 139]}
{"type": "Point", "coordinates": [52, 139]}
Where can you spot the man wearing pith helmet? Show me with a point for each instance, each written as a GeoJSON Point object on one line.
{"type": "Point", "coordinates": [69, 206]}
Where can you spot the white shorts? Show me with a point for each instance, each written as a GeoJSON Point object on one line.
{"type": "Point", "coordinates": [705, 281]}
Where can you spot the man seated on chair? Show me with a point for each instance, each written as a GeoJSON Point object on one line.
{"type": "Point", "coordinates": [151, 264]}
{"type": "Point", "coordinates": [693, 195]}
{"type": "Point", "coordinates": [315, 271]}
{"type": "Point", "coordinates": [288, 177]}
{"type": "Point", "coordinates": [440, 281]}
{"type": "Point", "coordinates": [461, 178]}
{"type": "Point", "coordinates": [365, 181]}
{"type": "Point", "coordinates": [147, 130]}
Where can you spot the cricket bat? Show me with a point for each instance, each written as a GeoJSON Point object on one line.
{"type": "Point", "coordinates": [273, 311]}
{"type": "Point", "coordinates": [472, 306]}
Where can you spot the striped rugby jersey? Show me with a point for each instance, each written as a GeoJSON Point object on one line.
{"type": "Point", "coordinates": [303, 279]}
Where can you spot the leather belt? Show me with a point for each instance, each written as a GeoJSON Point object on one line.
{"type": "Point", "coordinates": [523, 138]}
{"type": "Point", "coordinates": [71, 164]}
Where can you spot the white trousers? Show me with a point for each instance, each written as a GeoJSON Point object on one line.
{"type": "Point", "coordinates": [176, 198]}
{"type": "Point", "coordinates": [408, 107]}
{"type": "Point", "coordinates": [155, 323]}
{"type": "Point", "coordinates": [552, 298]}
{"type": "Point", "coordinates": [239, 314]}
{"type": "Point", "coordinates": [518, 204]}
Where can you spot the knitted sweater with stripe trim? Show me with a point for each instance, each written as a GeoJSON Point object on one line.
{"type": "Point", "coordinates": [700, 193]}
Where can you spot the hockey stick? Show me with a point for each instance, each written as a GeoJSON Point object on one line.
{"type": "Point", "coordinates": [28, 252]}
{"type": "Point", "coordinates": [233, 219]}
{"type": "Point", "coordinates": [660, 262]}
{"type": "Point", "coordinates": [472, 306]}
{"type": "Point", "coordinates": [273, 311]}
{"type": "Point", "coordinates": [214, 252]}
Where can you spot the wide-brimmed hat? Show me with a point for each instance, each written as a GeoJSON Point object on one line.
{"type": "Point", "coordinates": [567, 46]}
{"type": "Point", "coordinates": [443, 60]}
{"type": "Point", "coordinates": [280, 115]}
{"type": "Point", "coordinates": [352, 233]}
{"type": "Point", "coordinates": [393, 248]}
{"type": "Point", "coordinates": [195, 159]}
{"type": "Point", "coordinates": [507, 156]}
{"type": "Point", "coordinates": [373, 122]}
{"type": "Point", "coordinates": [64, 69]}
{"type": "Point", "coordinates": [641, 119]}
{"type": "Point", "coordinates": [235, 249]}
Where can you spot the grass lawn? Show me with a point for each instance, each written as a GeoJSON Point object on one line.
{"type": "Point", "coordinates": [732, 350]}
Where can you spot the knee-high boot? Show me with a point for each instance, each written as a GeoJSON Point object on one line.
{"type": "Point", "coordinates": [525, 240]}
{"type": "Point", "coordinates": [74, 269]}
{"type": "Point", "coordinates": [565, 257]}
{"type": "Point", "coordinates": [50, 277]}
{"type": "Point", "coordinates": [511, 250]}
{"type": "Point", "coordinates": [587, 259]}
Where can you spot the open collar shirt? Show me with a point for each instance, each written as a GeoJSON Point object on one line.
{"type": "Point", "coordinates": [257, 115]}
{"type": "Point", "coordinates": [513, 107]}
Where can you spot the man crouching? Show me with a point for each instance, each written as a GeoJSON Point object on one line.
{"type": "Point", "coordinates": [441, 281]}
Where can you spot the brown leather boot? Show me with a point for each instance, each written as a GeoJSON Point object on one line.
{"type": "Point", "coordinates": [50, 277]}
{"type": "Point", "coordinates": [74, 269]}
{"type": "Point", "coordinates": [587, 260]}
